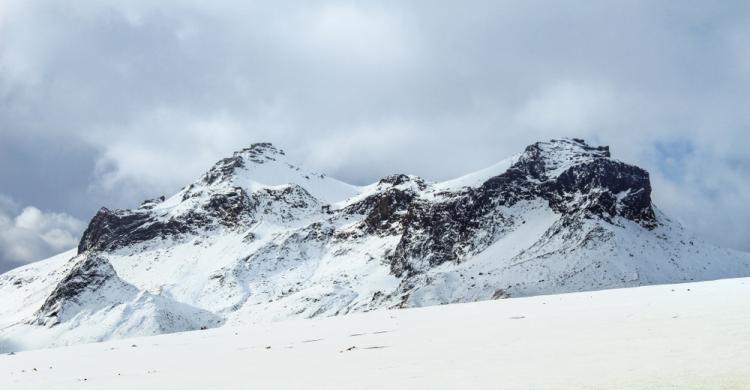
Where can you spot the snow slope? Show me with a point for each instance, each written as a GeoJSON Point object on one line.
{"type": "Point", "coordinates": [258, 238]}
{"type": "Point", "coordinates": [685, 336]}
{"type": "Point", "coordinates": [475, 179]}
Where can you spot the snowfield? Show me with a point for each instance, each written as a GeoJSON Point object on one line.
{"type": "Point", "coordinates": [681, 336]}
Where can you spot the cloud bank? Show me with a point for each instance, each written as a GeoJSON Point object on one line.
{"type": "Point", "coordinates": [109, 102]}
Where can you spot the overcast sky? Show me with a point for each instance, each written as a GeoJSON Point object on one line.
{"type": "Point", "coordinates": [109, 102]}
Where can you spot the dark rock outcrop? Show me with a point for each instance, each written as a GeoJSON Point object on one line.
{"type": "Point", "coordinates": [88, 275]}
{"type": "Point", "coordinates": [603, 188]}
{"type": "Point", "coordinates": [113, 229]}
{"type": "Point", "coordinates": [573, 177]}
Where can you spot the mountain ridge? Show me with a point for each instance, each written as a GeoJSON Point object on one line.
{"type": "Point", "coordinates": [258, 238]}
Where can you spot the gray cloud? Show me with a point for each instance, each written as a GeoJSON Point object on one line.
{"type": "Point", "coordinates": [135, 99]}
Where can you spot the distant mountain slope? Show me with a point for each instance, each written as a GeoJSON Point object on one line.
{"type": "Point", "coordinates": [258, 238]}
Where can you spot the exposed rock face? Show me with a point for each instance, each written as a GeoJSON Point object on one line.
{"type": "Point", "coordinates": [113, 229]}
{"type": "Point", "coordinates": [574, 178]}
{"type": "Point", "coordinates": [258, 238]}
{"type": "Point", "coordinates": [385, 211]}
{"type": "Point", "coordinates": [92, 290]}
{"type": "Point", "coordinates": [88, 276]}
{"type": "Point", "coordinates": [603, 188]}
{"type": "Point", "coordinates": [260, 153]}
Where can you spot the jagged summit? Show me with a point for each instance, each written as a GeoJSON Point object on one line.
{"type": "Point", "coordinates": [571, 147]}
{"type": "Point", "coordinates": [259, 167]}
{"type": "Point", "coordinates": [260, 151]}
{"type": "Point", "coordinates": [544, 159]}
{"type": "Point", "coordinates": [549, 159]}
{"type": "Point", "coordinates": [575, 177]}
{"type": "Point", "coordinates": [259, 238]}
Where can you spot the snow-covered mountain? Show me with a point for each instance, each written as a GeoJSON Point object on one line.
{"type": "Point", "coordinates": [258, 238]}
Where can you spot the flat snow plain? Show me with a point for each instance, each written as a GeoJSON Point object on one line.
{"type": "Point", "coordinates": [683, 336]}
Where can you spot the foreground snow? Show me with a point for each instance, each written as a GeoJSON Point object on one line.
{"type": "Point", "coordinates": [692, 335]}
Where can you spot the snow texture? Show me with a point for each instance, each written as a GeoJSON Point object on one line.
{"type": "Point", "coordinates": [685, 336]}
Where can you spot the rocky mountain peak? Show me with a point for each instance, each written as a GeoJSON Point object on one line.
{"type": "Point", "coordinates": [568, 148]}
{"type": "Point", "coordinates": [260, 152]}
{"type": "Point", "coordinates": [544, 160]}
{"type": "Point", "coordinates": [577, 178]}
{"type": "Point", "coordinates": [257, 153]}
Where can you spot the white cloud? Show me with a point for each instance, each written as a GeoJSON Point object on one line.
{"type": "Point", "coordinates": [32, 234]}
{"type": "Point", "coordinates": [570, 107]}
{"type": "Point", "coordinates": [348, 32]}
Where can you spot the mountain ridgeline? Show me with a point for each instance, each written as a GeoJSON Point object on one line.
{"type": "Point", "coordinates": [258, 238]}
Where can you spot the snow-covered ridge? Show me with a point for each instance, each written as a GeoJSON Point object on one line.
{"type": "Point", "coordinates": [258, 238]}
{"type": "Point", "coordinates": [259, 167]}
